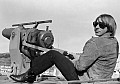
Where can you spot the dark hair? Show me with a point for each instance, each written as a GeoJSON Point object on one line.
{"type": "Point", "coordinates": [109, 21]}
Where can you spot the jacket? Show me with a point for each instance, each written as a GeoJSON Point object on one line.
{"type": "Point", "coordinates": [99, 57]}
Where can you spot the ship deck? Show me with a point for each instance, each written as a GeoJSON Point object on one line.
{"type": "Point", "coordinates": [51, 82]}
{"type": "Point", "coordinates": [5, 80]}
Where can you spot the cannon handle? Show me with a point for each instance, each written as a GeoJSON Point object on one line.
{"type": "Point", "coordinates": [31, 23]}
{"type": "Point", "coordinates": [70, 56]}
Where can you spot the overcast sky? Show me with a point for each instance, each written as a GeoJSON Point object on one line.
{"type": "Point", "coordinates": [72, 19]}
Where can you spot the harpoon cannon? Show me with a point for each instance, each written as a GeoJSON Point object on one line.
{"type": "Point", "coordinates": [29, 42]}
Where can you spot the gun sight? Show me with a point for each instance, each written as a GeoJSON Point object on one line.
{"type": "Point", "coordinates": [31, 23]}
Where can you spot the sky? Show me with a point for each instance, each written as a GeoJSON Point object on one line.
{"type": "Point", "coordinates": [72, 19]}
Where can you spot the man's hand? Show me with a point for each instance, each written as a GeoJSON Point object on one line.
{"type": "Point", "coordinates": [70, 56]}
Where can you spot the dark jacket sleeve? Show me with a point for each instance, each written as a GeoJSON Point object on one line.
{"type": "Point", "coordinates": [88, 57]}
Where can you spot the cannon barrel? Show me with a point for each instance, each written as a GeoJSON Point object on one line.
{"type": "Point", "coordinates": [30, 23]}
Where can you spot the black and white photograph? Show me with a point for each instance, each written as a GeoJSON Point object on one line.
{"type": "Point", "coordinates": [59, 42]}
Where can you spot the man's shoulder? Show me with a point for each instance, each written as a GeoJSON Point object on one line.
{"type": "Point", "coordinates": [103, 41]}
{"type": "Point", "coordinates": [98, 41]}
{"type": "Point", "coordinates": [94, 39]}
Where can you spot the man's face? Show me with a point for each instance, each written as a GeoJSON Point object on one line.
{"type": "Point", "coordinates": [100, 28]}
{"type": "Point", "coordinates": [99, 31]}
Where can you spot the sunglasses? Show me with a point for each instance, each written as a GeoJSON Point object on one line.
{"type": "Point", "coordinates": [101, 24]}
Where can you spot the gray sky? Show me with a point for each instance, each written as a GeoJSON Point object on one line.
{"type": "Point", "coordinates": [72, 19]}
